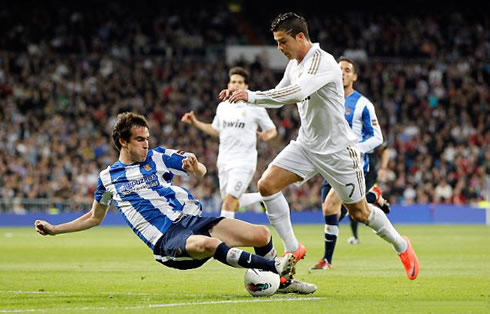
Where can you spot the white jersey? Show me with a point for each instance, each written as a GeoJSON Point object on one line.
{"type": "Point", "coordinates": [315, 84]}
{"type": "Point", "coordinates": [237, 125]}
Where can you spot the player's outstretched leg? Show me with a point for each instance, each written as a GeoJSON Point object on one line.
{"type": "Point", "coordinates": [235, 257]}
{"type": "Point", "coordinates": [377, 220]}
{"type": "Point", "coordinates": [410, 261]}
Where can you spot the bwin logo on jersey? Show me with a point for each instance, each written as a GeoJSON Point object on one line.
{"type": "Point", "coordinates": [234, 124]}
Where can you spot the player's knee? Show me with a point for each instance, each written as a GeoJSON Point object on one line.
{"type": "Point", "coordinates": [262, 236]}
{"type": "Point", "coordinates": [204, 246]}
{"type": "Point", "coordinates": [358, 215]}
{"type": "Point", "coordinates": [329, 208]}
{"type": "Point", "coordinates": [266, 188]}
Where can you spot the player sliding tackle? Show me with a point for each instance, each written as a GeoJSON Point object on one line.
{"type": "Point", "coordinates": [166, 217]}
{"type": "Point", "coordinates": [325, 143]}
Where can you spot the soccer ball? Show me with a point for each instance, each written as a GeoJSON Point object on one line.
{"type": "Point", "coordinates": [261, 283]}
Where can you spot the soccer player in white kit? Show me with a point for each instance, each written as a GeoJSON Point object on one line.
{"type": "Point", "coordinates": [237, 126]}
{"type": "Point", "coordinates": [325, 143]}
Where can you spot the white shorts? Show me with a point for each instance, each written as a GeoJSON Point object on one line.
{"type": "Point", "coordinates": [234, 181]}
{"type": "Point", "coordinates": [342, 170]}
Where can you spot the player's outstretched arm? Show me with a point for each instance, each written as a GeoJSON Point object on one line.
{"type": "Point", "coordinates": [190, 118]}
{"type": "Point", "coordinates": [91, 219]}
{"type": "Point", "coordinates": [267, 135]}
{"type": "Point", "coordinates": [193, 166]}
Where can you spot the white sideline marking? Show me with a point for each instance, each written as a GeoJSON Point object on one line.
{"type": "Point", "coordinates": [136, 307]}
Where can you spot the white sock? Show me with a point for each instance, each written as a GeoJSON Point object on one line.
{"type": "Point", "coordinates": [380, 224]}
{"type": "Point", "coordinates": [249, 198]}
{"type": "Point", "coordinates": [278, 213]}
{"type": "Point", "coordinates": [227, 213]}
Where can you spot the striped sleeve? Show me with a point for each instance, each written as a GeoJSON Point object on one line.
{"type": "Point", "coordinates": [101, 194]}
{"type": "Point", "coordinates": [312, 79]}
{"type": "Point", "coordinates": [173, 160]}
{"type": "Point", "coordinates": [372, 136]}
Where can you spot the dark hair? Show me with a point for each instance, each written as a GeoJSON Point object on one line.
{"type": "Point", "coordinates": [290, 23]}
{"type": "Point", "coordinates": [122, 128]}
{"type": "Point", "coordinates": [354, 65]}
{"type": "Point", "coordinates": [239, 71]}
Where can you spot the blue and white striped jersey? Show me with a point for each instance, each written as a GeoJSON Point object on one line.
{"type": "Point", "coordinates": [361, 116]}
{"type": "Point", "coordinates": [144, 194]}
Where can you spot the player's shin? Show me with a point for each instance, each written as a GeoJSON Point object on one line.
{"type": "Point", "coordinates": [331, 234]}
{"type": "Point", "coordinates": [279, 216]}
{"type": "Point", "coordinates": [380, 224]}
{"type": "Point", "coordinates": [249, 198]}
{"type": "Point", "coordinates": [266, 251]}
{"type": "Point", "coordinates": [241, 259]}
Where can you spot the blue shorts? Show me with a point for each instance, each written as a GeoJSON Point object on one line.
{"type": "Point", "coordinates": [170, 248]}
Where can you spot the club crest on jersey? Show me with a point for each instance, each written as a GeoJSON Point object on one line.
{"type": "Point", "coordinates": [147, 167]}
{"type": "Point", "coordinates": [347, 110]}
{"type": "Point", "coordinates": [374, 122]}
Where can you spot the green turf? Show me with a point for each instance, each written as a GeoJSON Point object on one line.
{"type": "Point", "coordinates": [109, 270]}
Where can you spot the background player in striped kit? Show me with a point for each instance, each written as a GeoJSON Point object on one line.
{"type": "Point", "coordinates": [167, 217]}
{"type": "Point", "coordinates": [361, 116]}
{"type": "Point", "coordinates": [325, 143]}
{"type": "Point", "coordinates": [236, 125]}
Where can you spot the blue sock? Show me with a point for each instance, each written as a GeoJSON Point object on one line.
{"type": "Point", "coordinates": [266, 251]}
{"type": "Point", "coordinates": [331, 234]}
{"type": "Point", "coordinates": [235, 257]}
{"type": "Point", "coordinates": [371, 197]}
{"type": "Point", "coordinates": [353, 225]}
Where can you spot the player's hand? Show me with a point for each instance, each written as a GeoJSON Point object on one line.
{"type": "Point", "coordinates": [189, 118]}
{"type": "Point", "coordinates": [190, 163]}
{"type": "Point", "coordinates": [262, 135]}
{"type": "Point", "coordinates": [238, 95]}
{"type": "Point", "coordinates": [224, 94]}
{"type": "Point", "coordinates": [44, 227]}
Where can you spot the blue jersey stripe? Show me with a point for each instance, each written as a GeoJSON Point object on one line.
{"type": "Point", "coordinates": [135, 230]}
{"type": "Point", "coordinates": [367, 127]}
{"type": "Point", "coordinates": [143, 206]}
{"type": "Point", "coordinates": [350, 106]}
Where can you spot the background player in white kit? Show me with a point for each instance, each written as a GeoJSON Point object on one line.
{"type": "Point", "coordinates": [236, 125]}
{"type": "Point", "coordinates": [325, 143]}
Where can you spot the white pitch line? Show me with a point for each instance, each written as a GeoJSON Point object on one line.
{"type": "Point", "coordinates": [137, 307]}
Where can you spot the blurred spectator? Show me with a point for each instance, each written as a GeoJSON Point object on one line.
{"type": "Point", "coordinates": [65, 73]}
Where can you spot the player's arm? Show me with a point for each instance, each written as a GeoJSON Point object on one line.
{"type": "Point", "coordinates": [306, 85]}
{"type": "Point", "coordinates": [267, 135]}
{"type": "Point", "coordinates": [181, 163]}
{"type": "Point", "coordinates": [371, 127]}
{"type": "Point", "coordinates": [91, 219]}
{"type": "Point", "coordinates": [243, 94]}
{"type": "Point", "coordinates": [385, 158]}
{"type": "Point", "coordinates": [190, 118]}
{"type": "Point", "coordinates": [193, 166]}
{"type": "Point", "coordinates": [266, 124]}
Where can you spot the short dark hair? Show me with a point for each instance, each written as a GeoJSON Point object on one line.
{"type": "Point", "coordinates": [354, 65]}
{"type": "Point", "coordinates": [290, 23]}
{"type": "Point", "coordinates": [239, 71]}
{"type": "Point", "coordinates": [122, 128]}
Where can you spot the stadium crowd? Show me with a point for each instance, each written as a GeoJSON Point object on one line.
{"type": "Point", "coordinates": [63, 82]}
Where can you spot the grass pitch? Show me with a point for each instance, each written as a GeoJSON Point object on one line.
{"type": "Point", "coordinates": [109, 270]}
